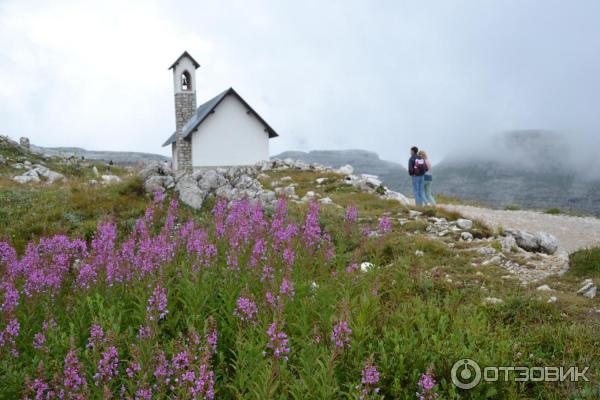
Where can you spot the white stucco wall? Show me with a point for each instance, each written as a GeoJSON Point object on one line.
{"type": "Point", "coordinates": [229, 136]}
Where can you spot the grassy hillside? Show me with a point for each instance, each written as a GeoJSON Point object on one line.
{"type": "Point", "coordinates": [160, 301]}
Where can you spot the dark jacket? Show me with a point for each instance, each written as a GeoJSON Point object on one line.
{"type": "Point", "coordinates": [412, 169]}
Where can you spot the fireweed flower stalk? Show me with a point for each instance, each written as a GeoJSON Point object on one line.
{"type": "Point", "coordinates": [246, 310]}
{"type": "Point", "coordinates": [157, 304]}
{"type": "Point", "coordinates": [426, 385]}
{"type": "Point", "coordinates": [96, 337]}
{"type": "Point", "coordinates": [108, 366]}
{"type": "Point", "coordinates": [385, 225]}
{"type": "Point", "coordinates": [74, 384]}
{"type": "Point", "coordinates": [311, 229]}
{"type": "Point", "coordinates": [369, 379]}
{"type": "Point", "coordinates": [340, 335]}
{"type": "Point", "coordinates": [351, 215]}
{"type": "Point", "coordinates": [219, 211]}
{"type": "Point", "coordinates": [9, 335]}
{"type": "Point", "coordinates": [278, 343]}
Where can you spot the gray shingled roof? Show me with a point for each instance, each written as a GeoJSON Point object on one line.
{"type": "Point", "coordinates": [207, 108]}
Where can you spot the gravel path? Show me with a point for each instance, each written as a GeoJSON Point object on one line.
{"type": "Point", "coordinates": [574, 233]}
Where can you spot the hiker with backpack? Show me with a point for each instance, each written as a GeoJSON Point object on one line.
{"type": "Point", "coordinates": [428, 179]}
{"type": "Point", "coordinates": [417, 169]}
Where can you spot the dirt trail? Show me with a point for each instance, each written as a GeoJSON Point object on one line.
{"type": "Point", "coordinates": [574, 233]}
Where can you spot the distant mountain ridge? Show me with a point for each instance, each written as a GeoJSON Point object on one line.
{"type": "Point", "coordinates": [117, 157]}
{"type": "Point", "coordinates": [530, 169]}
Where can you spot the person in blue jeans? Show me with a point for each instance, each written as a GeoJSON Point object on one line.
{"type": "Point", "coordinates": [417, 169]}
{"type": "Point", "coordinates": [427, 196]}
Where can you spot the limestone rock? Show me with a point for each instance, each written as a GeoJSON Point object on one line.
{"type": "Point", "coordinates": [413, 214]}
{"type": "Point", "coordinates": [539, 242]}
{"type": "Point", "coordinates": [326, 200]}
{"type": "Point", "coordinates": [466, 236]}
{"type": "Point", "coordinates": [346, 169]}
{"type": "Point", "coordinates": [493, 300]}
{"type": "Point", "coordinates": [547, 243]}
{"type": "Point", "coordinates": [158, 183]}
{"type": "Point", "coordinates": [108, 179]}
{"type": "Point", "coordinates": [465, 224]}
{"type": "Point", "coordinates": [391, 195]}
{"type": "Point", "coordinates": [508, 243]}
{"type": "Point", "coordinates": [189, 192]}
{"type": "Point", "coordinates": [591, 293]}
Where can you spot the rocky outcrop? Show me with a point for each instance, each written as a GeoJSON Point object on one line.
{"type": "Point", "coordinates": [236, 183]}
{"type": "Point", "coordinates": [541, 242]}
{"type": "Point", "coordinates": [37, 173]}
{"type": "Point", "coordinates": [588, 289]}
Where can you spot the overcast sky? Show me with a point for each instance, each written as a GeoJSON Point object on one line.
{"type": "Point", "coordinates": [377, 75]}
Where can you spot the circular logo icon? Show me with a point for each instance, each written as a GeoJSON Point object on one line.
{"type": "Point", "coordinates": [466, 374]}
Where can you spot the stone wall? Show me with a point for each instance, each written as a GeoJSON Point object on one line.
{"type": "Point", "coordinates": [185, 107]}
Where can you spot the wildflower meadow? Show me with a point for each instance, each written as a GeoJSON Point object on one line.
{"type": "Point", "coordinates": [238, 302]}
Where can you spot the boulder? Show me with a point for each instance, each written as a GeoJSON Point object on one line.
{"type": "Point", "coordinates": [399, 197]}
{"type": "Point", "coordinates": [539, 242]}
{"type": "Point", "coordinates": [225, 192]}
{"type": "Point", "coordinates": [587, 285]}
{"type": "Point", "coordinates": [346, 169]}
{"type": "Point", "coordinates": [2, 160]}
{"type": "Point", "coordinates": [158, 183]}
{"type": "Point", "coordinates": [108, 179]}
{"type": "Point", "coordinates": [189, 192]}
{"type": "Point", "coordinates": [50, 176]}
{"type": "Point", "coordinates": [267, 197]}
{"type": "Point", "coordinates": [210, 180]}
{"type": "Point", "coordinates": [153, 168]}
{"type": "Point", "coordinates": [326, 200]}
{"type": "Point", "coordinates": [466, 236]}
{"type": "Point", "coordinates": [464, 224]}
{"type": "Point", "coordinates": [591, 293]}
{"type": "Point", "coordinates": [413, 214]}
{"type": "Point", "coordinates": [547, 243]}
{"type": "Point", "coordinates": [95, 171]}
{"type": "Point", "coordinates": [508, 243]}
{"type": "Point", "coordinates": [27, 178]}
{"type": "Point", "coordinates": [524, 239]}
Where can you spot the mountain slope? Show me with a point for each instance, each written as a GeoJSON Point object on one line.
{"type": "Point", "coordinates": [118, 157]}
{"type": "Point", "coordinates": [529, 169]}
{"type": "Point", "coordinates": [393, 174]}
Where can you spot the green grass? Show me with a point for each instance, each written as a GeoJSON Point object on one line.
{"type": "Point", "coordinates": [553, 211]}
{"type": "Point", "coordinates": [585, 263]}
{"type": "Point", "coordinates": [408, 314]}
{"type": "Point", "coordinates": [73, 209]}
